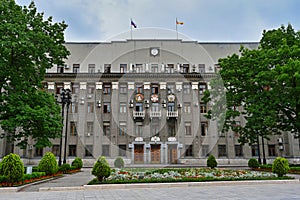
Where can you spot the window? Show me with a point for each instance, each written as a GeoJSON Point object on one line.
{"type": "Point", "coordinates": [75, 89]}
{"type": "Point", "coordinates": [188, 129]}
{"type": "Point", "coordinates": [222, 150]}
{"type": "Point", "coordinates": [185, 68]}
{"type": "Point", "coordinates": [91, 68]}
{"type": "Point", "coordinates": [60, 69]}
{"type": "Point", "coordinates": [272, 150]}
{"type": "Point", "coordinates": [107, 68]}
{"type": "Point", "coordinates": [88, 151]}
{"type": "Point", "coordinates": [202, 88]}
{"type": "Point", "coordinates": [123, 89]}
{"type": "Point", "coordinates": [201, 68]}
{"type": "Point", "coordinates": [139, 89]}
{"type": "Point", "coordinates": [138, 130]}
{"type": "Point", "coordinates": [105, 150]}
{"type": "Point", "coordinates": [238, 150]}
{"type": "Point", "coordinates": [122, 150]}
{"type": "Point", "coordinates": [59, 89]}
{"type": "Point", "coordinates": [154, 89]}
{"type": "Point", "coordinates": [122, 128]}
{"type": "Point", "coordinates": [90, 127]}
{"type": "Point", "coordinates": [171, 106]}
{"type": "Point", "coordinates": [106, 89]}
{"type": "Point", "coordinates": [155, 107]}
{"type": "Point", "coordinates": [171, 130]}
{"type": "Point", "coordinates": [55, 150]}
{"type": "Point", "coordinates": [254, 150]}
{"type": "Point", "coordinates": [76, 68]}
{"type": "Point", "coordinates": [188, 150]}
{"type": "Point", "coordinates": [205, 150]}
{"type": "Point", "coordinates": [186, 89]}
{"type": "Point", "coordinates": [154, 129]}
{"type": "Point", "coordinates": [170, 88]}
{"type": "Point", "coordinates": [106, 107]}
{"type": "Point", "coordinates": [170, 68]}
{"type": "Point", "coordinates": [203, 128]}
{"type": "Point", "coordinates": [139, 107]}
{"type": "Point", "coordinates": [91, 89]}
{"type": "Point", "coordinates": [123, 68]}
{"type": "Point", "coordinates": [139, 68]}
{"type": "Point", "coordinates": [106, 129]}
{"type": "Point", "coordinates": [123, 107]}
{"type": "Point", "coordinates": [154, 68]}
{"type": "Point", "coordinates": [38, 151]}
{"type": "Point", "coordinates": [90, 107]}
{"type": "Point", "coordinates": [74, 107]}
{"type": "Point", "coordinates": [73, 129]}
{"type": "Point", "coordinates": [72, 150]}
{"type": "Point", "coordinates": [187, 108]}
{"type": "Point", "coordinates": [203, 107]}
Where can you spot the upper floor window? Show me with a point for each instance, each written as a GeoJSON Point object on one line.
{"type": "Point", "coordinates": [201, 68]}
{"type": "Point", "coordinates": [91, 68]}
{"type": "Point", "coordinates": [123, 89]}
{"type": "Point", "coordinates": [139, 68]}
{"type": "Point", "coordinates": [186, 89]}
{"type": "Point", "coordinates": [73, 129]}
{"type": "Point", "coordinates": [170, 68]}
{"type": "Point", "coordinates": [188, 128]}
{"type": "Point", "coordinates": [106, 107]}
{"type": "Point", "coordinates": [187, 108]}
{"type": "Point", "coordinates": [202, 88]}
{"type": "Point", "coordinates": [154, 68]}
{"type": "Point", "coordinates": [90, 127]}
{"type": "Point", "coordinates": [123, 107]}
{"type": "Point", "coordinates": [90, 107]}
{"type": "Point", "coordinates": [185, 68]}
{"type": "Point", "coordinates": [122, 128]}
{"type": "Point", "coordinates": [203, 107]}
{"type": "Point", "coordinates": [139, 88]}
{"type": "Point", "coordinates": [106, 89]}
{"type": "Point", "coordinates": [154, 89]}
{"type": "Point", "coordinates": [74, 107]}
{"type": "Point", "coordinates": [123, 68]}
{"type": "Point", "coordinates": [171, 88]}
{"type": "Point", "coordinates": [75, 89]}
{"type": "Point", "coordinates": [90, 89]}
{"type": "Point", "coordinates": [76, 68]}
{"type": "Point", "coordinates": [60, 69]}
{"type": "Point", "coordinates": [107, 68]}
{"type": "Point", "coordinates": [106, 128]}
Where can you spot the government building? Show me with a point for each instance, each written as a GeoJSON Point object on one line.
{"type": "Point", "coordinates": [139, 96]}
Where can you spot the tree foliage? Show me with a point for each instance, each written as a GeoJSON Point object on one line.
{"type": "Point", "coordinates": [101, 168]}
{"type": "Point", "coordinates": [12, 168]}
{"type": "Point", "coordinates": [262, 86]}
{"type": "Point", "coordinates": [280, 166]}
{"type": "Point", "coordinates": [48, 164]}
{"type": "Point", "coordinates": [29, 45]}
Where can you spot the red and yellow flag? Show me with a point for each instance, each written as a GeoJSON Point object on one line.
{"type": "Point", "coordinates": [177, 22]}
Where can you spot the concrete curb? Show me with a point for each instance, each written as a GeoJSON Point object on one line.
{"type": "Point", "coordinates": [168, 185]}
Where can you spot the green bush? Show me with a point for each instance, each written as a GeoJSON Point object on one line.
{"type": "Point", "coordinates": [77, 162]}
{"type": "Point", "coordinates": [101, 168]}
{"type": "Point", "coordinates": [280, 166]}
{"type": "Point", "coordinates": [253, 163]}
{"type": "Point", "coordinates": [119, 162]}
{"type": "Point", "coordinates": [48, 164]}
{"type": "Point", "coordinates": [12, 168]}
{"type": "Point", "coordinates": [211, 162]}
{"type": "Point", "coordinates": [65, 168]}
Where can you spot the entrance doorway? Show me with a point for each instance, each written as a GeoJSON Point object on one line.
{"type": "Point", "coordinates": [138, 153]}
{"type": "Point", "coordinates": [155, 153]}
{"type": "Point", "coordinates": [172, 153]}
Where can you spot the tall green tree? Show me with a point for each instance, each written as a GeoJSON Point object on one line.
{"type": "Point", "coordinates": [29, 45]}
{"type": "Point", "coordinates": [263, 86]}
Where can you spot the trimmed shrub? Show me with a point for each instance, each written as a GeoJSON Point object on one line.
{"type": "Point", "coordinates": [119, 162]}
{"type": "Point", "coordinates": [280, 166]}
{"type": "Point", "coordinates": [77, 162]}
{"type": "Point", "coordinates": [101, 169]}
{"type": "Point", "coordinates": [48, 164]}
{"type": "Point", "coordinates": [212, 162]}
{"type": "Point", "coordinates": [12, 168]}
{"type": "Point", "coordinates": [253, 163]}
{"type": "Point", "coordinates": [65, 168]}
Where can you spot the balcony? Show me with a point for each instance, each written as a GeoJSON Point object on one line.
{"type": "Point", "coordinates": [138, 114]}
{"type": "Point", "coordinates": [155, 114]}
{"type": "Point", "coordinates": [172, 114]}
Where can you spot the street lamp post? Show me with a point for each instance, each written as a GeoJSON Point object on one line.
{"type": "Point", "coordinates": [65, 99]}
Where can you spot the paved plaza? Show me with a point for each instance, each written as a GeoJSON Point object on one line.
{"type": "Point", "coordinates": [71, 187]}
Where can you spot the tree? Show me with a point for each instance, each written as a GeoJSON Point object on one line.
{"type": "Point", "coordinates": [101, 169]}
{"type": "Point", "coordinates": [12, 168]}
{"type": "Point", "coordinates": [262, 86]}
{"type": "Point", "coordinates": [29, 45]}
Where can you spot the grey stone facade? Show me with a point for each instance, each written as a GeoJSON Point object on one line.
{"type": "Point", "coordinates": [141, 100]}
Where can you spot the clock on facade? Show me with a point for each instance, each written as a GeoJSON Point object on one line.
{"type": "Point", "coordinates": [154, 51]}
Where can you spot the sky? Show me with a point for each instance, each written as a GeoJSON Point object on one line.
{"type": "Point", "coordinates": [204, 20]}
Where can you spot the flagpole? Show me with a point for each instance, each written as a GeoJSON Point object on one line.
{"type": "Point", "coordinates": [176, 29]}
{"type": "Point", "coordinates": [131, 28]}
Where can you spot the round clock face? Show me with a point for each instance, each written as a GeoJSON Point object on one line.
{"type": "Point", "coordinates": [154, 52]}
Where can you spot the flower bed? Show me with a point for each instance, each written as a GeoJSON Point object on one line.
{"type": "Point", "coordinates": [182, 175]}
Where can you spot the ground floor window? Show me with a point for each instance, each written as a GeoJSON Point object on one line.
{"type": "Point", "coordinates": [254, 150]}
{"type": "Point", "coordinates": [205, 151]}
{"type": "Point", "coordinates": [55, 150]}
{"type": "Point", "coordinates": [122, 150]}
{"type": "Point", "coordinates": [72, 150]}
{"type": "Point", "coordinates": [238, 150]}
{"type": "Point", "coordinates": [105, 150]}
{"type": "Point", "coordinates": [39, 152]}
{"type": "Point", "coordinates": [88, 150]}
{"type": "Point", "coordinates": [189, 150]}
{"type": "Point", "coordinates": [222, 150]}
{"type": "Point", "coordinates": [272, 150]}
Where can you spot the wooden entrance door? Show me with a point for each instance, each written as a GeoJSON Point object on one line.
{"type": "Point", "coordinates": [138, 153]}
{"type": "Point", "coordinates": [155, 153]}
{"type": "Point", "coordinates": [172, 154]}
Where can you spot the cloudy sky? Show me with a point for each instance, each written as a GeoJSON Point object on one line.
{"type": "Point", "coordinates": [204, 20]}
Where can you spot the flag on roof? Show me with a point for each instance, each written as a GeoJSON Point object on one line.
{"type": "Point", "coordinates": [133, 24]}
{"type": "Point", "coordinates": [177, 22]}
